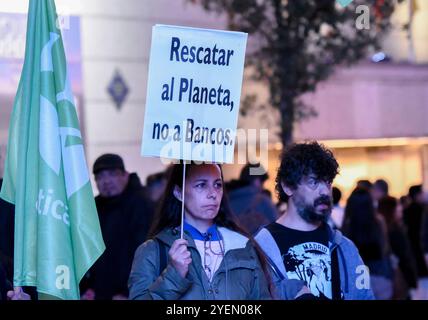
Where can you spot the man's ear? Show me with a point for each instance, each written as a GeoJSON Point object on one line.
{"type": "Point", "coordinates": [177, 193]}
{"type": "Point", "coordinates": [288, 191]}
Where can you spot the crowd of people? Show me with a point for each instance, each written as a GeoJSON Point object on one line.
{"type": "Point", "coordinates": [391, 236]}
{"type": "Point", "coordinates": [238, 244]}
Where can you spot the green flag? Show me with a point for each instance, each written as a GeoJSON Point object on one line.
{"type": "Point", "coordinates": [57, 232]}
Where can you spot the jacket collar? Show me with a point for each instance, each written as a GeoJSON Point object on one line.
{"type": "Point", "coordinates": [334, 236]}
{"type": "Point", "coordinates": [211, 234]}
{"type": "Point", "coordinates": [232, 240]}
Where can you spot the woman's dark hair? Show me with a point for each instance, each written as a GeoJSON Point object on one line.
{"type": "Point", "coordinates": [169, 212]}
{"type": "Point", "coordinates": [387, 207]}
{"type": "Point", "coordinates": [361, 224]}
{"type": "Point", "coordinates": [299, 160]}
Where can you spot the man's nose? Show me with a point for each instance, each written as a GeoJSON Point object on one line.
{"type": "Point", "coordinates": [106, 181]}
{"type": "Point", "coordinates": [325, 188]}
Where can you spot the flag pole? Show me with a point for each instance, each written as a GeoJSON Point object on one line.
{"type": "Point", "coordinates": [182, 200]}
{"type": "Point", "coordinates": [42, 173]}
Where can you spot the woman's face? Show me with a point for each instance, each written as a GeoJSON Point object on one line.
{"type": "Point", "coordinates": [202, 194]}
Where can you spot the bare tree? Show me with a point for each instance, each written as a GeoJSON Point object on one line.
{"type": "Point", "coordinates": [298, 43]}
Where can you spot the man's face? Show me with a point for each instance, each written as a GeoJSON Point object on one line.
{"type": "Point", "coordinates": [313, 199]}
{"type": "Point", "coordinates": [111, 182]}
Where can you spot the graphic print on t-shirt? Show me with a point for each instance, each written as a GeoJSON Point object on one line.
{"type": "Point", "coordinates": [310, 262]}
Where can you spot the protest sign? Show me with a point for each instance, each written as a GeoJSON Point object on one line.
{"type": "Point", "coordinates": [193, 93]}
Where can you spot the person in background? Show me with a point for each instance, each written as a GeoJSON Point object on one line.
{"type": "Point", "coordinates": [4, 283]}
{"type": "Point", "coordinates": [425, 234]}
{"type": "Point", "coordinates": [368, 231]}
{"type": "Point", "coordinates": [252, 206]}
{"type": "Point", "coordinates": [405, 201]}
{"type": "Point", "coordinates": [155, 185]}
{"type": "Point", "coordinates": [414, 220]}
{"type": "Point", "coordinates": [7, 231]}
{"type": "Point", "coordinates": [406, 274]}
{"type": "Point", "coordinates": [379, 190]}
{"type": "Point", "coordinates": [364, 184]}
{"type": "Point", "coordinates": [125, 216]}
{"type": "Point", "coordinates": [337, 212]}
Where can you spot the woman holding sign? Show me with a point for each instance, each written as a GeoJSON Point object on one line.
{"type": "Point", "coordinates": [214, 260]}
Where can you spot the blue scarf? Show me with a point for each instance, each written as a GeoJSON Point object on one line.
{"type": "Point", "coordinates": [211, 234]}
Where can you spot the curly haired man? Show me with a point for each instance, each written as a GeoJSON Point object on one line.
{"type": "Point", "coordinates": [309, 259]}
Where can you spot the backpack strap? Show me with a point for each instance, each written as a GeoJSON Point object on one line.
{"type": "Point", "coordinates": [335, 276]}
{"type": "Point", "coordinates": [274, 267]}
{"type": "Point", "coordinates": [163, 258]}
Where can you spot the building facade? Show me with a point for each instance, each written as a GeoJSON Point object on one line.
{"type": "Point", "coordinates": [372, 115]}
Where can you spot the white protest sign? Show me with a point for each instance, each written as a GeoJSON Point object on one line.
{"type": "Point", "coordinates": [193, 93]}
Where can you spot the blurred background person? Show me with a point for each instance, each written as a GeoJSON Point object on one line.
{"type": "Point", "coordinates": [7, 231]}
{"type": "Point", "coordinates": [4, 283]}
{"type": "Point", "coordinates": [364, 184]}
{"type": "Point", "coordinates": [252, 206]}
{"type": "Point", "coordinates": [125, 216]}
{"type": "Point", "coordinates": [155, 186]}
{"type": "Point", "coordinates": [379, 190]}
{"type": "Point", "coordinates": [425, 235]}
{"type": "Point", "coordinates": [405, 275]}
{"type": "Point", "coordinates": [413, 218]}
{"type": "Point", "coordinates": [337, 212]}
{"type": "Point", "coordinates": [405, 201]}
{"type": "Point", "coordinates": [368, 231]}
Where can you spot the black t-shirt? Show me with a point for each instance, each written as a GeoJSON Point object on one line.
{"type": "Point", "coordinates": [306, 256]}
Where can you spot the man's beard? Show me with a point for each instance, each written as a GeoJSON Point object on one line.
{"type": "Point", "coordinates": [309, 213]}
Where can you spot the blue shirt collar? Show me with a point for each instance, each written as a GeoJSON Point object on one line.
{"type": "Point", "coordinates": [211, 234]}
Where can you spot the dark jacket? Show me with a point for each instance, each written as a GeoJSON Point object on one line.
{"type": "Point", "coordinates": [5, 285]}
{"type": "Point", "coordinates": [7, 229]}
{"type": "Point", "coordinates": [125, 221]}
{"type": "Point", "coordinates": [239, 276]}
{"type": "Point", "coordinates": [425, 231]}
{"type": "Point", "coordinates": [400, 247]}
{"type": "Point", "coordinates": [413, 218]}
{"type": "Point", "coordinates": [350, 263]}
